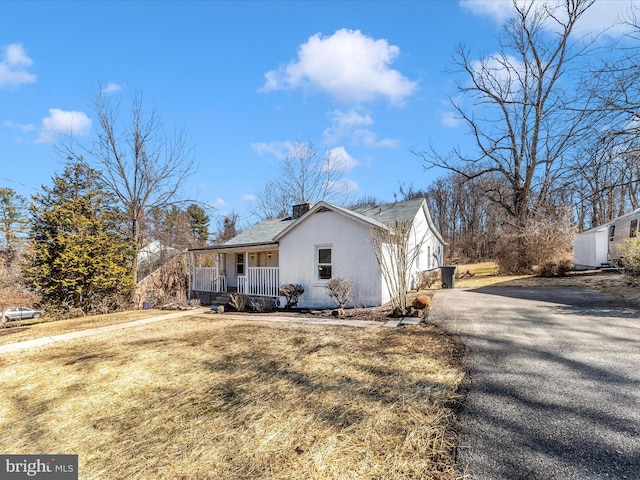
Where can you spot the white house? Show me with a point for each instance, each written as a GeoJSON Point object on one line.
{"type": "Point", "coordinates": [315, 244]}
{"type": "Point", "coordinates": [601, 245]}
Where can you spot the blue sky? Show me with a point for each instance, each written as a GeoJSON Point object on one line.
{"type": "Point", "coordinates": [246, 79]}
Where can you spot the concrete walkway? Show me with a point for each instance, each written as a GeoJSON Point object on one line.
{"type": "Point", "coordinates": [39, 342]}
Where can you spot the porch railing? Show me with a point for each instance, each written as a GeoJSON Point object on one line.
{"type": "Point", "coordinates": [206, 279]}
{"type": "Point", "coordinates": [260, 281]}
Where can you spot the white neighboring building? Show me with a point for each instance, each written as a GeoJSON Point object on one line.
{"type": "Point", "coordinates": [600, 246]}
{"type": "Point", "coordinates": [315, 244]}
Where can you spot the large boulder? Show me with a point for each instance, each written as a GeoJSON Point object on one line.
{"type": "Point", "coordinates": [421, 302]}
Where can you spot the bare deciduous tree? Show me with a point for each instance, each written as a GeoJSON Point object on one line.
{"type": "Point", "coordinates": [138, 162]}
{"type": "Point", "coordinates": [520, 108]}
{"type": "Point", "coordinates": [12, 219]}
{"type": "Point", "coordinates": [606, 177]}
{"type": "Point", "coordinates": [396, 250]}
{"type": "Point", "coordinates": [304, 176]}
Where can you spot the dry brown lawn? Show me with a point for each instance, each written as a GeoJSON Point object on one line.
{"type": "Point", "coordinates": [203, 398]}
{"type": "Point", "coordinates": [611, 283]}
{"type": "Point", "coordinates": [12, 332]}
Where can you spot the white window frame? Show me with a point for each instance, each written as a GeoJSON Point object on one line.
{"type": "Point", "coordinates": [318, 264]}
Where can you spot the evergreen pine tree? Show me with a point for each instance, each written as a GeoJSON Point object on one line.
{"type": "Point", "coordinates": [79, 257]}
{"type": "Point", "coordinates": [198, 223]}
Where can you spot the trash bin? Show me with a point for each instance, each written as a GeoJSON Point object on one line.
{"type": "Point", "coordinates": [448, 275]}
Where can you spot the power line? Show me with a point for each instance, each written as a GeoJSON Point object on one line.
{"type": "Point", "coordinates": [21, 184]}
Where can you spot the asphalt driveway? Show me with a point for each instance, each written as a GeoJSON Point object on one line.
{"type": "Point", "coordinates": [553, 384]}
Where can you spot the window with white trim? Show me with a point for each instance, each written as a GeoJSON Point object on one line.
{"type": "Point", "coordinates": [323, 261]}
{"type": "Point", "coordinates": [240, 263]}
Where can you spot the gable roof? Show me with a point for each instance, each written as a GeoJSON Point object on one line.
{"type": "Point", "coordinates": [381, 215]}
{"type": "Point", "coordinates": [269, 232]}
{"type": "Point", "coordinates": [263, 232]}
{"type": "Point", "coordinates": [391, 212]}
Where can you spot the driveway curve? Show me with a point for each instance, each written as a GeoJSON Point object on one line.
{"type": "Point", "coordinates": [553, 384]}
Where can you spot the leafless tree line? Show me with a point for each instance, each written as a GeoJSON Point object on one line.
{"type": "Point", "coordinates": [554, 119]}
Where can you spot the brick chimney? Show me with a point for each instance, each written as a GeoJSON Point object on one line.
{"type": "Point", "coordinates": [299, 210]}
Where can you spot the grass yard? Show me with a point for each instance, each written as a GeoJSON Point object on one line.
{"type": "Point", "coordinates": [19, 331]}
{"type": "Point", "coordinates": [610, 283]}
{"type": "Point", "coordinates": [200, 398]}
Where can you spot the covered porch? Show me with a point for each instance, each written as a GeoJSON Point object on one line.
{"type": "Point", "coordinates": [249, 270]}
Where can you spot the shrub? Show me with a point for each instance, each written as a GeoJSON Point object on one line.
{"type": "Point", "coordinates": [564, 267]}
{"type": "Point", "coordinates": [292, 293]}
{"type": "Point", "coordinates": [631, 260]}
{"type": "Point", "coordinates": [426, 278]}
{"type": "Point", "coordinates": [340, 290]}
{"type": "Point", "coordinates": [552, 269]}
{"type": "Point", "coordinates": [238, 301]}
{"type": "Point", "coordinates": [548, 269]}
{"type": "Point", "coordinates": [545, 237]}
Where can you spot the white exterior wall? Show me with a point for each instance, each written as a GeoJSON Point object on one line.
{"type": "Point", "coordinates": [351, 258]}
{"type": "Point", "coordinates": [431, 249]}
{"type": "Point", "coordinates": [590, 249]}
{"type": "Point", "coordinates": [621, 235]}
{"type": "Point", "coordinates": [430, 254]}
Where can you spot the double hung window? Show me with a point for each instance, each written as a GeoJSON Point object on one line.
{"type": "Point", "coordinates": [323, 261]}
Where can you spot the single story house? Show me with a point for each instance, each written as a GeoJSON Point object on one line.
{"type": "Point", "coordinates": [601, 245]}
{"type": "Point", "coordinates": [316, 243]}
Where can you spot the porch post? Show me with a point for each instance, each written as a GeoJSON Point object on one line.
{"type": "Point", "coordinates": [217, 268]}
{"type": "Point", "coordinates": [246, 273]}
{"type": "Point", "coordinates": [191, 270]}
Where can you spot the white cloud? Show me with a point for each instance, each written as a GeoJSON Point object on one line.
{"type": "Point", "coordinates": [343, 124]}
{"type": "Point", "coordinates": [219, 203]}
{"type": "Point", "coordinates": [502, 72]}
{"type": "Point", "coordinates": [65, 123]}
{"type": "Point", "coordinates": [499, 10]}
{"type": "Point", "coordinates": [606, 15]}
{"type": "Point", "coordinates": [450, 119]}
{"type": "Point", "coordinates": [348, 65]}
{"type": "Point", "coordinates": [249, 197]}
{"type": "Point", "coordinates": [367, 138]}
{"type": "Point", "coordinates": [346, 125]}
{"type": "Point", "coordinates": [600, 16]}
{"type": "Point", "coordinates": [112, 88]}
{"type": "Point", "coordinates": [19, 126]}
{"type": "Point", "coordinates": [340, 160]}
{"type": "Point", "coordinates": [14, 64]}
{"type": "Point", "coordinates": [277, 149]}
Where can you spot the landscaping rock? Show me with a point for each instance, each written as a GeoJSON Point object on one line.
{"type": "Point", "coordinates": [421, 302]}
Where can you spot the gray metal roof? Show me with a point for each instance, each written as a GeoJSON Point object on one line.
{"type": "Point", "coordinates": [263, 232]}
{"type": "Point", "coordinates": [267, 231]}
{"type": "Point", "coordinates": [391, 212]}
